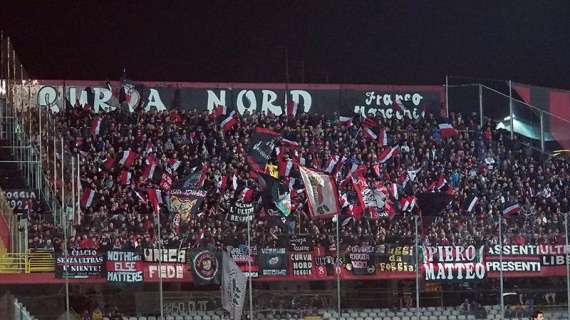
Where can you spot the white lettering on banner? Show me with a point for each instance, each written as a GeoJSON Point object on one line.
{"type": "Point", "coordinates": [73, 96]}
{"type": "Point", "coordinates": [47, 97]}
{"type": "Point", "coordinates": [527, 250]}
{"type": "Point", "coordinates": [246, 101]}
{"type": "Point", "coordinates": [154, 101]}
{"type": "Point", "coordinates": [454, 271]}
{"type": "Point", "coordinates": [252, 102]}
{"type": "Point", "coordinates": [452, 254]}
{"type": "Point", "coordinates": [185, 308]}
{"type": "Point", "coordinates": [388, 99]}
{"type": "Point", "coordinates": [555, 260]}
{"type": "Point", "coordinates": [167, 271]}
{"type": "Point", "coordinates": [513, 266]}
{"type": "Point", "coordinates": [101, 96]}
{"type": "Point", "coordinates": [307, 99]}
{"type": "Point", "coordinates": [214, 100]}
{"type": "Point", "coordinates": [164, 255]}
{"type": "Point", "coordinates": [269, 97]}
{"type": "Point", "coordinates": [389, 113]}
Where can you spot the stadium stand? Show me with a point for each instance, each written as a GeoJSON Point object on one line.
{"type": "Point", "coordinates": [481, 161]}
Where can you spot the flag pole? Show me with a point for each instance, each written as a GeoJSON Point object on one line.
{"type": "Point", "coordinates": [64, 224]}
{"type": "Point", "coordinates": [78, 191]}
{"type": "Point", "coordinates": [567, 265]}
{"type": "Point", "coordinates": [501, 268]}
{"type": "Point", "coordinates": [159, 264]}
{"type": "Point", "coordinates": [337, 265]}
{"type": "Point", "coordinates": [446, 96]}
{"type": "Point", "coordinates": [417, 268]}
{"type": "Point", "coordinates": [249, 268]}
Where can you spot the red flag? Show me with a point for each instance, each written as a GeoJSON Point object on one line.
{"type": "Point", "coordinates": [230, 121]}
{"type": "Point", "coordinates": [285, 167]}
{"type": "Point", "coordinates": [387, 153]}
{"type": "Point", "coordinates": [446, 130]}
{"type": "Point", "coordinates": [109, 163]}
{"type": "Point", "coordinates": [370, 123]}
{"type": "Point", "coordinates": [398, 105]}
{"type": "Point", "coordinates": [382, 138]}
{"type": "Point", "coordinates": [218, 111]}
{"type": "Point", "coordinates": [128, 158]}
{"type": "Point", "coordinates": [87, 197]}
{"type": "Point", "coordinates": [292, 107]}
{"type": "Point", "coordinates": [345, 121]}
{"type": "Point", "coordinates": [369, 133]}
{"type": "Point", "coordinates": [96, 126]}
{"type": "Point", "coordinates": [155, 198]}
{"type": "Point", "coordinates": [125, 177]}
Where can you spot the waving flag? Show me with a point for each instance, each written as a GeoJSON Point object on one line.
{"type": "Point", "coordinates": [233, 287]}
{"type": "Point", "coordinates": [125, 177]}
{"type": "Point", "coordinates": [511, 209]}
{"type": "Point", "coordinates": [382, 138]}
{"type": "Point", "coordinates": [155, 198]}
{"type": "Point", "coordinates": [260, 148]}
{"type": "Point", "coordinates": [321, 193]}
{"type": "Point", "coordinates": [470, 202]}
{"type": "Point", "coordinates": [87, 198]}
{"type": "Point", "coordinates": [127, 159]}
{"type": "Point", "coordinates": [369, 133]}
{"type": "Point", "coordinates": [446, 130]}
{"type": "Point", "coordinates": [292, 107]}
{"type": "Point", "coordinates": [388, 153]}
{"type": "Point", "coordinates": [285, 167]}
{"type": "Point", "coordinates": [96, 124]}
{"type": "Point", "coordinates": [230, 121]}
{"type": "Point", "coordinates": [345, 121]}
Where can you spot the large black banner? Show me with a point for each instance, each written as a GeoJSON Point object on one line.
{"type": "Point", "coordinates": [79, 264]}
{"type": "Point", "coordinates": [124, 267]}
{"type": "Point", "coordinates": [241, 212]}
{"type": "Point", "coordinates": [395, 258]}
{"type": "Point", "coordinates": [360, 260]}
{"type": "Point", "coordinates": [186, 203]}
{"type": "Point", "coordinates": [260, 148]}
{"type": "Point", "coordinates": [274, 261]}
{"type": "Point", "coordinates": [205, 265]}
{"type": "Point", "coordinates": [301, 259]}
{"type": "Point", "coordinates": [392, 102]}
{"type": "Point", "coordinates": [246, 259]}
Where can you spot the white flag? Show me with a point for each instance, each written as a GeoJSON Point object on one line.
{"type": "Point", "coordinates": [233, 287]}
{"type": "Point", "coordinates": [321, 193]}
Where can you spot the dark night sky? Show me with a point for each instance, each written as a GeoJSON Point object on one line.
{"type": "Point", "coordinates": [393, 42]}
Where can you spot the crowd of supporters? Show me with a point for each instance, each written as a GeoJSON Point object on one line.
{"type": "Point", "coordinates": [474, 161]}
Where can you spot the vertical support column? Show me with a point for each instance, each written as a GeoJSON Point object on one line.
{"type": "Point", "coordinates": [501, 284]}
{"type": "Point", "coordinates": [417, 268]}
{"type": "Point", "coordinates": [481, 121]}
{"type": "Point", "coordinates": [78, 190]}
{"type": "Point", "coordinates": [337, 267]}
{"type": "Point", "coordinates": [511, 112]}
{"type": "Point", "coordinates": [446, 96]}
{"type": "Point", "coordinates": [541, 130]}
{"type": "Point", "coordinates": [249, 268]}
{"type": "Point", "coordinates": [567, 265]}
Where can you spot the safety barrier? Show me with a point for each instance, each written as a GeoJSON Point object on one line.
{"type": "Point", "coordinates": [39, 261]}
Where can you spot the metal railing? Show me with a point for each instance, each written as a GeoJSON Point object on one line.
{"type": "Point", "coordinates": [31, 262]}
